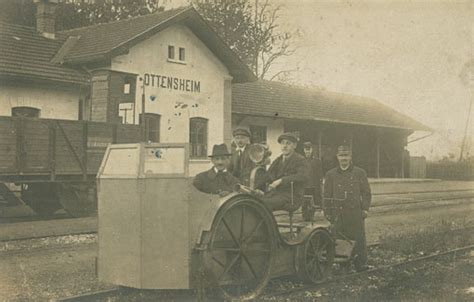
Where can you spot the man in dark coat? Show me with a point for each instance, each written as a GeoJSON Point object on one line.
{"type": "Point", "coordinates": [313, 186]}
{"type": "Point", "coordinates": [287, 171]}
{"type": "Point", "coordinates": [217, 180]}
{"type": "Point", "coordinates": [240, 164]}
{"type": "Point", "coordinates": [350, 183]}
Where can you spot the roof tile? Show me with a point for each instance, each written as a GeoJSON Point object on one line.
{"type": "Point", "coordinates": [267, 98]}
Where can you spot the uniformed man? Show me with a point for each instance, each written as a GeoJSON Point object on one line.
{"type": "Point", "coordinates": [287, 175]}
{"type": "Point", "coordinates": [313, 186]}
{"type": "Point", "coordinates": [241, 165]}
{"type": "Point", "coordinates": [350, 183]}
{"type": "Point", "coordinates": [217, 180]}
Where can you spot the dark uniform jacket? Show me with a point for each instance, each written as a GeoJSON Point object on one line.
{"type": "Point", "coordinates": [241, 166]}
{"type": "Point", "coordinates": [214, 183]}
{"type": "Point", "coordinates": [353, 186]}
{"type": "Point", "coordinates": [293, 170]}
{"type": "Point", "coordinates": [354, 182]}
{"type": "Point", "coordinates": [315, 174]}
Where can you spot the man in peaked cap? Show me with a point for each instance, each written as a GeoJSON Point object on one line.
{"type": "Point", "coordinates": [240, 164]}
{"type": "Point", "coordinates": [350, 183]}
{"type": "Point", "coordinates": [315, 180]}
{"type": "Point", "coordinates": [287, 170]}
{"type": "Point", "coordinates": [217, 180]}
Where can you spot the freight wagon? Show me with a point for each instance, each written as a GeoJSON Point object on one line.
{"type": "Point", "coordinates": [55, 161]}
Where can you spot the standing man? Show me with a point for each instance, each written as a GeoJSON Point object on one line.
{"type": "Point", "coordinates": [217, 180]}
{"type": "Point", "coordinates": [315, 179]}
{"type": "Point", "coordinates": [286, 176]}
{"type": "Point", "coordinates": [241, 165]}
{"type": "Point", "coordinates": [350, 183]}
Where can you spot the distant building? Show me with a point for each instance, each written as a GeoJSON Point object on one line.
{"type": "Point", "coordinates": [377, 133]}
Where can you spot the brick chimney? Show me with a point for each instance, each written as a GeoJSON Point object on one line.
{"type": "Point", "coordinates": [45, 17]}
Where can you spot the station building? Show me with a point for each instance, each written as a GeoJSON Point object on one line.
{"type": "Point", "coordinates": [170, 72]}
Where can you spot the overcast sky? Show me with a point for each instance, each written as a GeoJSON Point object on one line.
{"type": "Point", "coordinates": [406, 54]}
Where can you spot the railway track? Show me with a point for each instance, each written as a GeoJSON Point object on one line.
{"type": "Point", "coordinates": [120, 292]}
{"type": "Point", "coordinates": [372, 270]}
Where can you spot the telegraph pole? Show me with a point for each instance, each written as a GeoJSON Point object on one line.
{"type": "Point", "coordinates": [468, 115]}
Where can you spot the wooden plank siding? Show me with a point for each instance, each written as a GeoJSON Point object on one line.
{"type": "Point", "coordinates": [56, 148]}
{"type": "Point", "coordinates": [8, 146]}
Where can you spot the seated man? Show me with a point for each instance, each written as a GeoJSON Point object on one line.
{"type": "Point", "coordinates": [217, 180]}
{"type": "Point", "coordinates": [288, 168]}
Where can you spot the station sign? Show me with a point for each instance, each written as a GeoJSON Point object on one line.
{"type": "Point", "coordinates": [171, 83]}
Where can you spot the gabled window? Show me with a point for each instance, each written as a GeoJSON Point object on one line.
{"type": "Point", "coordinates": [182, 56]}
{"type": "Point", "coordinates": [171, 52]}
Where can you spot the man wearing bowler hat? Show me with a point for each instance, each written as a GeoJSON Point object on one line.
{"type": "Point", "coordinates": [313, 186]}
{"type": "Point", "coordinates": [217, 180]}
{"type": "Point", "coordinates": [349, 183]}
{"type": "Point", "coordinates": [240, 164]}
{"type": "Point", "coordinates": [286, 177]}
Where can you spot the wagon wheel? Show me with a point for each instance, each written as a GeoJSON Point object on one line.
{"type": "Point", "coordinates": [239, 250]}
{"type": "Point", "coordinates": [315, 257]}
{"type": "Point", "coordinates": [78, 200]}
{"type": "Point", "coordinates": [41, 198]}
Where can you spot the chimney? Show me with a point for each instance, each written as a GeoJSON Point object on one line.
{"type": "Point", "coordinates": [45, 17]}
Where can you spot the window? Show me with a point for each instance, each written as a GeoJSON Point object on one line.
{"type": "Point", "coordinates": [258, 133]}
{"type": "Point", "coordinates": [25, 112]}
{"type": "Point", "coordinates": [198, 137]}
{"type": "Point", "coordinates": [182, 56]}
{"type": "Point", "coordinates": [126, 88]}
{"type": "Point", "coordinates": [179, 58]}
{"type": "Point", "coordinates": [152, 127]}
{"type": "Point", "coordinates": [171, 52]}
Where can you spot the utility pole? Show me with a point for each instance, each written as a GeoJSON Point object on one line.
{"type": "Point", "coordinates": [471, 84]}
{"type": "Point", "coordinates": [467, 78]}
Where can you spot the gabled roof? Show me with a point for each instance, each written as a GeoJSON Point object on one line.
{"type": "Point", "coordinates": [25, 54]}
{"type": "Point", "coordinates": [274, 99]}
{"type": "Point", "coordinates": [104, 41]}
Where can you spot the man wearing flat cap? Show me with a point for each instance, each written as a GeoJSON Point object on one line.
{"type": "Point", "coordinates": [315, 180]}
{"type": "Point", "coordinates": [240, 165]}
{"type": "Point", "coordinates": [286, 176]}
{"type": "Point", "coordinates": [217, 180]}
{"type": "Point", "coordinates": [349, 183]}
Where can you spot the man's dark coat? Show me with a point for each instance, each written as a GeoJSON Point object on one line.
{"type": "Point", "coordinates": [352, 185]}
{"type": "Point", "coordinates": [295, 170]}
{"type": "Point", "coordinates": [214, 183]}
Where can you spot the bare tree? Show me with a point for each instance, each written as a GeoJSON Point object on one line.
{"type": "Point", "coordinates": [250, 29]}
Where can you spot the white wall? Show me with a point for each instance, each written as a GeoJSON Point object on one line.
{"type": "Point", "coordinates": [274, 130]}
{"type": "Point", "coordinates": [176, 107]}
{"type": "Point", "coordinates": [53, 103]}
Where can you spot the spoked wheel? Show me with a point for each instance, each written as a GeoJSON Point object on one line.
{"type": "Point", "coordinates": [315, 257]}
{"type": "Point", "coordinates": [239, 250]}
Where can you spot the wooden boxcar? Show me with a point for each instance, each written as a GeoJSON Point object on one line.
{"type": "Point", "coordinates": [56, 161]}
